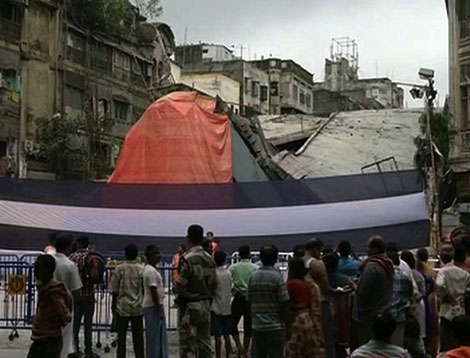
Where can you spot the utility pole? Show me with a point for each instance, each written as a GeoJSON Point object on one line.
{"type": "Point", "coordinates": [436, 198]}
{"type": "Point", "coordinates": [184, 46]}
{"type": "Point", "coordinates": [430, 93]}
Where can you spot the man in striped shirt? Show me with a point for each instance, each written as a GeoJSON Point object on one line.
{"type": "Point", "coordinates": [267, 295]}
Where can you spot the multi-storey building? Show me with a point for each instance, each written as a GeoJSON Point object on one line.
{"type": "Point", "coordinates": [291, 86]}
{"type": "Point", "coordinates": [194, 54]}
{"type": "Point", "coordinates": [253, 81]}
{"type": "Point", "coordinates": [459, 100]}
{"type": "Point", "coordinates": [50, 66]}
{"type": "Point", "coordinates": [215, 85]}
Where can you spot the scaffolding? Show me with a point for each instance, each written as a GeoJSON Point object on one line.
{"type": "Point", "coordinates": [345, 48]}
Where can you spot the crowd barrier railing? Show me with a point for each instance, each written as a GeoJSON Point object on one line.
{"type": "Point", "coordinates": [18, 298]}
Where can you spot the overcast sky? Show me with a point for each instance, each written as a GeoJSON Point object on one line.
{"type": "Point", "coordinates": [395, 37]}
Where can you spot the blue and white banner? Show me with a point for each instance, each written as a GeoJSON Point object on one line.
{"type": "Point", "coordinates": [284, 213]}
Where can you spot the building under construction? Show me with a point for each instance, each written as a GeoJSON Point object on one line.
{"type": "Point", "coordinates": [343, 90]}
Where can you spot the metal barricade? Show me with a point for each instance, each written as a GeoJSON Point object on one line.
{"type": "Point", "coordinates": [30, 258]}
{"type": "Point", "coordinates": [103, 316]}
{"type": "Point", "coordinates": [17, 296]}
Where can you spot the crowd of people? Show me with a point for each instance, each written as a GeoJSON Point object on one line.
{"type": "Point", "coordinates": [391, 304]}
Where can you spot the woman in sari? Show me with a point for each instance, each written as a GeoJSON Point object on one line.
{"type": "Point", "coordinates": [307, 336]}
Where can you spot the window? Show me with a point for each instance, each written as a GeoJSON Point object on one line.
{"type": "Point", "coordinates": [272, 63]}
{"type": "Point", "coordinates": [284, 65]}
{"type": "Point", "coordinates": [308, 100]}
{"type": "Point", "coordinates": [264, 93]}
{"type": "Point", "coordinates": [464, 18]}
{"type": "Point", "coordinates": [10, 80]}
{"type": "Point", "coordinates": [76, 41]}
{"type": "Point", "coordinates": [76, 46]}
{"type": "Point", "coordinates": [375, 92]}
{"type": "Point", "coordinates": [466, 142]}
{"type": "Point", "coordinates": [3, 148]}
{"type": "Point", "coordinates": [121, 110]}
{"type": "Point", "coordinates": [302, 96]}
{"type": "Point", "coordinates": [10, 12]}
{"type": "Point", "coordinates": [464, 28]}
{"type": "Point", "coordinates": [247, 85]}
{"type": "Point", "coordinates": [74, 97]}
{"type": "Point", "coordinates": [122, 60]}
{"type": "Point", "coordinates": [255, 88]}
{"type": "Point", "coordinates": [102, 108]}
{"type": "Point", "coordinates": [101, 57]}
{"type": "Point", "coordinates": [295, 90]}
{"type": "Point", "coordinates": [464, 123]}
{"type": "Point", "coordinates": [274, 89]}
{"type": "Point", "coordinates": [141, 69]}
{"type": "Point", "coordinates": [464, 73]}
{"type": "Point", "coordinates": [328, 69]}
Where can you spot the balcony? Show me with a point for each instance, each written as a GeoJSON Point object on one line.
{"type": "Point", "coordinates": [10, 31]}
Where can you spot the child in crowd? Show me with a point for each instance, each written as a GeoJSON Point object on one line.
{"type": "Point", "coordinates": [53, 311]}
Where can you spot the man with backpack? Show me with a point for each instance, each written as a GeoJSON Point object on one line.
{"type": "Point", "coordinates": [91, 269]}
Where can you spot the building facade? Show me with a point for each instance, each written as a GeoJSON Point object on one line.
{"type": "Point", "coordinates": [215, 84]}
{"type": "Point", "coordinates": [291, 86]}
{"type": "Point", "coordinates": [459, 90]}
{"type": "Point", "coordinates": [326, 102]}
{"type": "Point", "coordinates": [253, 81]}
{"type": "Point", "coordinates": [383, 90]}
{"type": "Point", "coordinates": [194, 54]}
{"type": "Point", "coordinates": [51, 67]}
{"type": "Point", "coordinates": [370, 93]}
{"type": "Point", "coordinates": [338, 73]}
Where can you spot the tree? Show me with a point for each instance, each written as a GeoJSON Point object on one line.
{"type": "Point", "coordinates": [110, 16]}
{"type": "Point", "coordinates": [151, 9]}
{"type": "Point", "coordinates": [440, 138]}
{"type": "Point", "coordinates": [69, 149]}
{"type": "Point", "coordinates": [61, 144]}
{"type": "Point", "coordinates": [441, 178]}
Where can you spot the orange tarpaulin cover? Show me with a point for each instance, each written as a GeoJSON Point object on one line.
{"type": "Point", "coordinates": [179, 139]}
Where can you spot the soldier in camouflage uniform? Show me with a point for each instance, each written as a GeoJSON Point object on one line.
{"type": "Point", "coordinates": [196, 286]}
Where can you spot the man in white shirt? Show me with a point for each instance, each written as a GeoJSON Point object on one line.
{"type": "Point", "coordinates": [221, 325]}
{"type": "Point", "coordinates": [383, 327]}
{"type": "Point", "coordinates": [67, 273]}
{"type": "Point", "coordinates": [453, 287]}
{"type": "Point", "coordinates": [156, 340]}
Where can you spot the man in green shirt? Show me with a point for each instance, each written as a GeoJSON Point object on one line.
{"type": "Point", "coordinates": [241, 273]}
